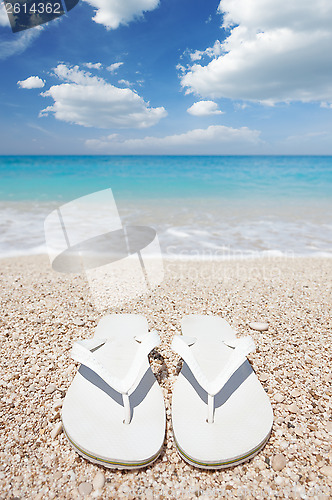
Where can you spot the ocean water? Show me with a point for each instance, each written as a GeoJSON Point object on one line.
{"type": "Point", "coordinates": [207, 207]}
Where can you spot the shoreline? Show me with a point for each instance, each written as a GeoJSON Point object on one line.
{"type": "Point", "coordinates": [196, 256]}
{"type": "Point", "coordinates": [43, 313]}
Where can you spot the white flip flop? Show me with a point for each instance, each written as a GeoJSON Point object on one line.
{"type": "Point", "coordinates": [114, 413]}
{"type": "Point", "coordinates": [221, 414]}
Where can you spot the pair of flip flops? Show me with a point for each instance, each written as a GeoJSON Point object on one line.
{"type": "Point", "coordinates": [114, 413]}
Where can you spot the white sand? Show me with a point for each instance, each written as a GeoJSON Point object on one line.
{"type": "Point", "coordinates": [43, 312]}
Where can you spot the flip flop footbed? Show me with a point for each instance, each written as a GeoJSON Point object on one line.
{"type": "Point", "coordinates": [242, 411]}
{"type": "Point", "coordinates": [93, 412]}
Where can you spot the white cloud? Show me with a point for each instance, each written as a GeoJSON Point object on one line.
{"type": "Point", "coordinates": [241, 105]}
{"type": "Point", "coordinates": [125, 82]}
{"type": "Point", "coordinates": [303, 138]}
{"type": "Point", "coordinates": [326, 105]}
{"type": "Point", "coordinates": [114, 67]}
{"type": "Point", "coordinates": [91, 65]}
{"type": "Point", "coordinates": [113, 13]}
{"type": "Point", "coordinates": [182, 69]}
{"type": "Point", "coordinates": [33, 82]}
{"type": "Point", "coordinates": [92, 102]}
{"type": "Point", "coordinates": [216, 139]}
{"type": "Point", "coordinates": [20, 42]}
{"type": "Point", "coordinates": [75, 75]}
{"type": "Point", "coordinates": [4, 21]}
{"type": "Point", "coordinates": [314, 143]}
{"type": "Point", "coordinates": [275, 52]}
{"type": "Point", "coordinates": [204, 108]}
{"type": "Point", "coordinates": [211, 52]}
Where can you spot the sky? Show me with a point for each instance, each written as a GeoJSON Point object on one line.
{"type": "Point", "coordinates": [171, 77]}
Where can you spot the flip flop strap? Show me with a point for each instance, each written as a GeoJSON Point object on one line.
{"type": "Point", "coordinates": [241, 348]}
{"type": "Point", "coordinates": [82, 352]}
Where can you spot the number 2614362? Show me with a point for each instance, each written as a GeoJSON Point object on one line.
{"type": "Point", "coordinates": [34, 8]}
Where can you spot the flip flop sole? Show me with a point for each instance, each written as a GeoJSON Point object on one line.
{"type": "Point", "coordinates": [243, 412]}
{"type": "Point", "coordinates": [111, 464]}
{"type": "Point", "coordinates": [93, 411]}
{"type": "Point", "coordinates": [224, 464]}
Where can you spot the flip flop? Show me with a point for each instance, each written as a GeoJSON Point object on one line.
{"type": "Point", "coordinates": [220, 412]}
{"type": "Point", "coordinates": [114, 413]}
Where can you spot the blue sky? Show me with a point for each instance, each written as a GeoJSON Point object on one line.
{"type": "Point", "coordinates": [170, 77]}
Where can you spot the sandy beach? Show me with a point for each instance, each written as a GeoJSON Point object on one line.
{"type": "Point", "coordinates": [43, 313]}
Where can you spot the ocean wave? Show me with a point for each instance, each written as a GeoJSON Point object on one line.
{"type": "Point", "coordinates": [191, 233]}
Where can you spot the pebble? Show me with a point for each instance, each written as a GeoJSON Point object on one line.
{"type": "Point", "coordinates": [183, 292]}
{"type": "Point", "coordinates": [279, 398]}
{"type": "Point", "coordinates": [279, 480]}
{"type": "Point", "coordinates": [284, 444]}
{"type": "Point", "coordinates": [79, 322]}
{"type": "Point", "coordinates": [311, 476]}
{"type": "Point", "coordinates": [295, 393]}
{"type": "Point", "coordinates": [71, 475]}
{"type": "Point", "coordinates": [57, 404]}
{"type": "Point", "coordinates": [98, 481]}
{"type": "Point", "coordinates": [259, 327]}
{"type": "Point", "coordinates": [50, 389]}
{"type": "Point", "coordinates": [85, 489]}
{"type": "Point", "coordinates": [56, 430]}
{"type": "Point", "coordinates": [278, 462]}
{"type": "Point", "coordinates": [326, 470]}
{"type": "Point", "coordinates": [293, 408]}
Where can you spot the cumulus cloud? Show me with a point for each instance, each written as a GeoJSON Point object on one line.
{"type": "Point", "coordinates": [91, 65]}
{"type": "Point", "coordinates": [216, 139]}
{"type": "Point", "coordinates": [114, 67]}
{"type": "Point", "coordinates": [92, 102]}
{"type": "Point", "coordinates": [113, 13]}
{"type": "Point", "coordinates": [214, 51]}
{"type": "Point", "coordinates": [204, 108]}
{"type": "Point", "coordinates": [33, 82]}
{"type": "Point", "coordinates": [274, 52]}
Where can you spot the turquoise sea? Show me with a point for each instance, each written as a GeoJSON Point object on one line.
{"type": "Point", "coordinates": [201, 206]}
